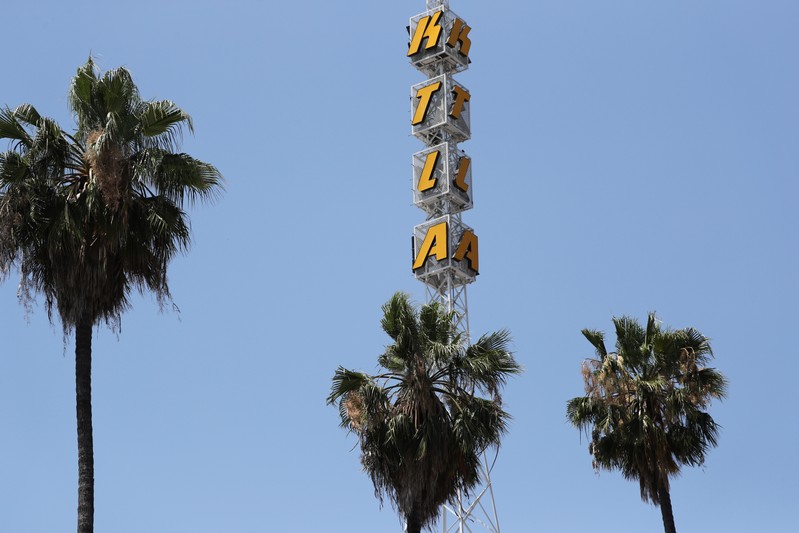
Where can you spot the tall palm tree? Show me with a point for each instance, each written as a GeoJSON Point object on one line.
{"type": "Point", "coordinates": [88, 217]}
{"type": "Point", "coordinates": [646, 405]}
{"type": "Point", "coordinates": [422, 424]}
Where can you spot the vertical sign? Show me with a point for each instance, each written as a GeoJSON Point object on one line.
{"type": "Point", "coordinates": [444, 248]}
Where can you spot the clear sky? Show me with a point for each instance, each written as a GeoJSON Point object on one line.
{"type": "Point", "coordinates": [628, 156]}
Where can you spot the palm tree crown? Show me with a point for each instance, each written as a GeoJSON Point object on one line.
{"type": "Point", "coordinates": [645, 404]}
{"type": "Point", "coordinates": [421, 425]}
{"type": "Point", "coordinates": [88, 217]}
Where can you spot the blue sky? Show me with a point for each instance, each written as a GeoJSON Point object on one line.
{"type": "Point", "coordinates": [628, 156]}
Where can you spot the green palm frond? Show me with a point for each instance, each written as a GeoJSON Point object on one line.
{"type": "Point", "coordinates": [711, 382]}
{"type": "Point", "coordinates": [180, 177]}
{"type": "Point", "coordinates": [391, 360]}
{"type": "Point", "coordinates": [82, 99]}
{"type": "Point", "coordinates": [435, 324]}
{"type": "Point", "coordinates": [13, 169]}
{"type": "Point", "coordinates": [118, 92]}
{"type": "Point", "coordinates": [12, 129]}
{"type": "Point", "coordinates": [399, 318]}
{"type": "Point", "coordinates": [478, 423]}
{"type": "Point", "coordinates": [27, 114]}
{"type": "Point", "coordinates": [597, 339]}
{"type": "Point", "coordinates": [488, 363]}
{"type": "Point", "coordinates": [163, 122]}
{"type": "Point", "coordinates": [345, 381]}
{"type": "Point", "coordinates": [161, 225]}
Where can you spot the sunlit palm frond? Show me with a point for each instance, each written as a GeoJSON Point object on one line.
{"type": "Point", "coordinates": [12, 129]}
{"type": "Point", "coordinates": [597, 340]}
{"type": "Point", "coordinates": [162, 122]}
{"type": "Point", "coordinates": [488, 363]}
{"type": "Point", "coordinates": [181, 178]}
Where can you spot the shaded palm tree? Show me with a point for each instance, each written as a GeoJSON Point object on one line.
{"type": "Point", "coordinates": [88, 217]}
{"type": "Point", "coordinates": [422, 424]}
{"type": "Point", "coordinates": [646, 405]}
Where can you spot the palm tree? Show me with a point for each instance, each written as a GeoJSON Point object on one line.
{"type": "Point", "coordinates": [420, 424]}
{"type": "Point", "coordinates": [645, 404]}
{"type": "Point", "coordinates": [88, 217]}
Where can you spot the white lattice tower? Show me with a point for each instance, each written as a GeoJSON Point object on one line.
{"type": "Point", "coordinates": [439, 47]}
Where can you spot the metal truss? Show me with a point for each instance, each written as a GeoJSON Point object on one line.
{"type": "Point", "coordinates": [452, 297]}
{"type": "Point", "coordinates": [475, 512]}
{"type": "Point", "coordinates": [433, 4]}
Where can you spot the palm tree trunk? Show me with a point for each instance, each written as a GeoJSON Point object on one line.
{"type": "Point", "coordinates": [665, 510]}
{"type": "Point", "coordinates": [412, 525]}
{"type": "Point", "coordinates": [83, 393]}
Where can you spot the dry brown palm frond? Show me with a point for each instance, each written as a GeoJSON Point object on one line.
{"type": "Point", "coordinates": [589, 369]}
{"type": "Point", "coordinates": [355, 410]}
{"type": "Point", "coordinates": [106, 165]}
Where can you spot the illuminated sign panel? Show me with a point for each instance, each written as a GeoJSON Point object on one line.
{"type": "Point", "coordinates": [434, 245]}
{"type": "Point", "coordinates": [445, 252]}
{"type": "Point", "coordinates": [442, 245]}
{"type": "Point", "coordinates": [423, 98]}
{"type": "Point", "coordinates": [440, 106]}
{"type": "Point", "coordinates": [427, 28]}
{"type": "Point", "coordinates": [439, 39]}
{"type": "Point", "coordinates": [442, 173]}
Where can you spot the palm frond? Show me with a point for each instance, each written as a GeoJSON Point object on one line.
{"type": "Point", "coordinates": [180, 177]}
{"type": "Point", "coordinates": [478, 423]}
{"type": "Point", "coordinates": [597, 340]}
{"type": "Point", "coordinates": [711, 382]}
{"type": "Point", "coordinates": [630, 338]}
{"type": "Point", "coordinates": [27, 113]}
{"type": "Point", "coordinates": [12, 129]}
{"type": "Point", "coordinates": [118, 92]}
{"type": "Point", "coordinates": [400, 322]}
{"type": "Point", "coordinates": [82, 99]}
{"type": "Point", "coordinates": [13, 169]}
{"type": "Point", "coordinates": [345, 381]}
{"type": "Point", "coordinates": [391, 361]}
{"type": "Point", "coordinates": [488, 363]}
{"type": "Point", "coordinates": [164, 119]}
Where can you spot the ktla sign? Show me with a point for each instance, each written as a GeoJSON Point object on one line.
{"type": "Point", "coordinates": [439, 46]}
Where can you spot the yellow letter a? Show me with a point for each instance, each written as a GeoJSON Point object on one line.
{"type": "Point", "coordinates": [468, 249]}
{"type": "Point", "coordinates": [435, 243]}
